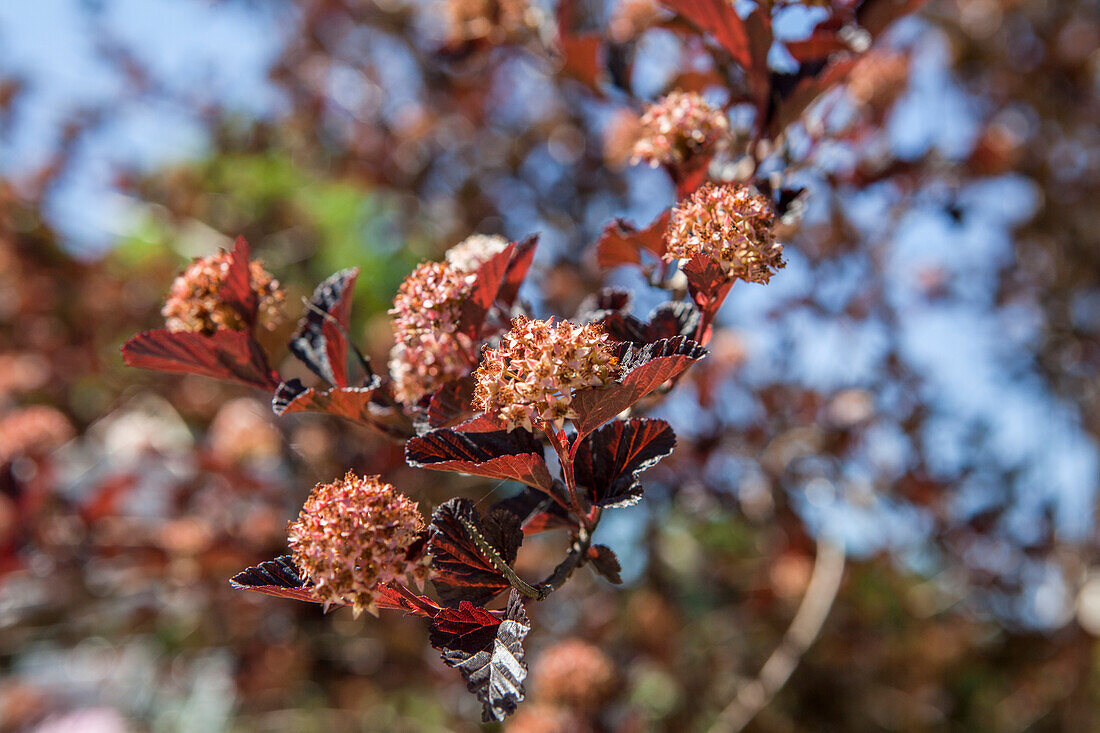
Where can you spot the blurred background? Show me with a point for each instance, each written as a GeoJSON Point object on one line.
{"type": "Point", "coordinates": [918, 388]}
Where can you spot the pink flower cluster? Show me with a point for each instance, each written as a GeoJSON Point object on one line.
{"type": "Point", "coordinates": [731, 225]}
{"type": "Point", "coordinates": [194, 303]}
{"type": "Point", "coordinates": [678, 127]}
{"type": "Point", "coordinates": [428, 349]}
{"type": "Point", "coordinates": [353, 534]}
{"type": "Point", "coordinates": [530, 378]}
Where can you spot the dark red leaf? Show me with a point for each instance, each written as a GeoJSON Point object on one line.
{"type": "Point", "coordinates": [450, 403]}
{"type": "Point", "coordinates": [463, 571]}
{"type": "Point", "coordinates": [644, 370]}
{"type": "Point", "coordinates": [513, 456]}
{"type": "Point", "coordinates": [352, 403]}
{"type": "Point", "coordinates": [488, 651]}
{"type": "Point", "coordinates": [487, 285]}
{"type": "Point", "coordinates": [582, 58]}
{"type": "Point", "coordinates": [610, 459]}
{"type": "Point", "coordinates": [397, 597]}
{"type": "Point", "coordinates": [707, 281]}
{"type": "Point", "coordinates": [278, 577]}
{"type": "Point", "coordinates": [236, 291]}
{"type": "Point", "coordinates": [605, 563]}
{"type": "Point", "coordinates": [225, 354]}
{"type": "Point", "coordinates": [666, 321]}
{"type": "Point", "coordinates": [672, 319]}
{"type": "Point", "coordinates": [876, 15]}
{"type": "Point", "coordinates": [719, 19]}
{"type": "Point", "coordinates": [537, 512]}
{"type": "Point", "coordinates": [483, 423]}
{"type": "Point", "coordinates": [622, 244]}
{"type": "Point", "coordinates": [320, 340]}
{"type": "Point", "coordinates": [805, 91]}
{"type": "Point", "coordinates": [821, 44]}
{"type": "Point", "coordinates": [518, 266]}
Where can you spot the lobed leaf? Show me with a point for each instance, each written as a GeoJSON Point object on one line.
{"type": "Point", "coordinates": [278, 577]}
{"type": "Point", "coordinates": [449, 403]}
{"type": "Point", "coordinates": [513, 456]}
{"type": "Point", "coordinates": [719, 19]}
{"type": "Point", "coordinates": [487, 651]}
{"type": "Point", "coordinates": [604, 562]}
{"type": "Point", "coordinates": [397, 597]}
{"type": "Point", "coordinates": [536, 512]}
{"type": "Point", "coordinates": [487, 285]}
{"type": "Point", "coordinates": [236, 290]}
{"type": "Point", "coordinates": [225, 354]}
{"type": "Point", "coordinates": [622, 244]}
{"type": "Point", "coordinates": [463, 569]}
{"type": "Point", "coordinates": [609, 460]}
{"type": "Point", "coordinates": [320, 341]}
{"type": "Point", "coordinates": [518, 265]}
{"type": "Point", "coordinates": [352, 403]}
{"type": "Point", "coordinates": [644, 370]}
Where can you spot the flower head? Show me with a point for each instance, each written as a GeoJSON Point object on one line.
{"type": "Point", "coordinates": [732, 226]}
{"type": "Point", "coordinates": [475, 250]}
{"type": "Point", "coordinates": [194, 303]}
{"type": "Point", "coordinates": [575, 673]}
{"type": "Point", "coordinates": [429, 350]}
{"type": "Point", "coordinates": [353, 534]}
{"type": "Point", "coordinates": [678, 127]}
{"type": "Point", "coordinates": [531, 376]}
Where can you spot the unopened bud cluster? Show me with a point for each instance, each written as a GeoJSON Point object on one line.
{"type": "Point", "coordinates": [732, 226]}
{"type": "Point", "coordinates": [678, 127]}
{"type": "Point", "coordinates": [530, 378]}
{"type": "Point", "coordinates": [194, 304]}
{"type": "Point", "coordinates": [353, 534]}
{"type": "Point", "coordinates": [429, 350]}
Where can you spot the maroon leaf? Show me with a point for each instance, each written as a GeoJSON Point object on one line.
{"type": "Point", "coordinates": [513, 456]}
{"type": "Point", "coordinates": [450, 403]}
{"type": "Point", "coordinates": [320, 340]}
{"type": "Point", "coordinates": [610, 459]}
{"type": "Point", "coordinates": [278, 577]}
{"type": "Point", "coordinates": [644, 370]}
{"type": "Point", "coordinates": [805, 91]}
{"type": "Point", "coordinates": [488, 651]}
{"type": "Point", "coordinates": [666, 321]}
{"type": "Point", "coordinates": [352, 403]}
{"type": "Point", "coordinates": [708, 283]}
{"type": "Point", "coordinates": [487, 285]}
{"type": "Point", "coordinates": [671, 319]}
{"type": "Point", "coordinates": [397, 597]}
{"type": "Point", "coordinates": [719, 19]}
{"type": "Point", "coordinates": [463, 570]}
{"type": "Point", "coordinates": [581, 57]}
{"type": "Point", "coordinates": [236, 291]}
{"type": "Point", "coordinates": [605, 563]}
{"type": "Point", "coordinates": [536, 512]}
{"type": "Point", "coordinates": [225, 354]}
{"type": "Point", "coordinates": [821, 44]}
{"type": "Point", "coordinates": [622, 244]}
{"type": "Point", "coordinates": [483, 423]}
{"type": "Point", "coordinates": [607, 300]}
{"type": "Point", "coordinates": [518, 266]}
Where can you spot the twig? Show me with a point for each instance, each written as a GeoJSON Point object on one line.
{"type": "Point", "coordinates": [816, 604]}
